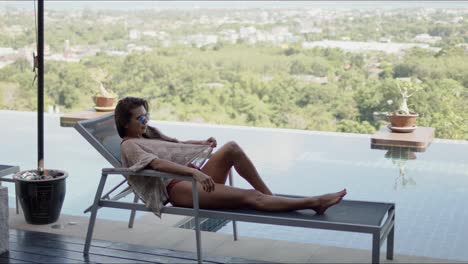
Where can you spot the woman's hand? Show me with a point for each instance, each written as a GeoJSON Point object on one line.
{"type": "Point", "coordinates": [206, 181]}
{"type": "Point", "coordinates": [212, 142]}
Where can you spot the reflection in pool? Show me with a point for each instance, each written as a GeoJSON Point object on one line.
{"type": "Point", "coordinates": [399, 157]}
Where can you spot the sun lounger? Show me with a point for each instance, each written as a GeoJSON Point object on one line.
{"type": "Point", "coordinates": [375, 218]}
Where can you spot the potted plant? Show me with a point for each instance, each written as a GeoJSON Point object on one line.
{"type": "Point", "coordinates": [103, 99]}
{"type": "Point", "coordinates": [41, 192]}
{"type": "Point", "coordinates": [404, 120]}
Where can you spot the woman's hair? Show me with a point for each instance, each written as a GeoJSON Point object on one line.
{"type": "Point", "coordinates": [123, 112]}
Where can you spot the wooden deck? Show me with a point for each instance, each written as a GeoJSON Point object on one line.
{"type": "Point", "coordinates": [418, 141]}
{"type": "Point", "coordinates": [38, 247]}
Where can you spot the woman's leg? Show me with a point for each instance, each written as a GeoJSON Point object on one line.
{"type": "Point", "coordinates": [227, 197]}
{"type": "Point", "coordinates": [230, 154]}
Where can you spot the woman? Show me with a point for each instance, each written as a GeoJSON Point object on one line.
{"type": "Point", "coordinates": [146, 147]}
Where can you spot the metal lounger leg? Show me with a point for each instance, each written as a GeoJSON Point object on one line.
{"type": "Point", "coordinates": [94, 210]}
{"type": "Point", "coordinates": [16, 199]}
{"type": "Point", "coordinates": [196, 207]}
{"type": "Point", "coordinates": [234, 224]}
{"type": "Point", "coordinates": [106, 196]}
{"type": "Point", "coordinates": [391, 239]}
{"type": "Point", "coordinates": [132, 214]}
{"type": "Point", "coordinates": [376, 247]}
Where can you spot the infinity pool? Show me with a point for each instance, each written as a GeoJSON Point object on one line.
{"type": "Point", "coordinates": [430, 189]}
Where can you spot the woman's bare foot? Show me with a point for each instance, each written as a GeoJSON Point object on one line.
{"type": "Point", "coordinates": [328, 200]}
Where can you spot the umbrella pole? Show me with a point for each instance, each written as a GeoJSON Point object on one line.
{"type": "Point", "coordinates": [40, 90]}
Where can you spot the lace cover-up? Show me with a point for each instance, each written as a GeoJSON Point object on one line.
{"type": "Point", "coordinates": [137, 154]}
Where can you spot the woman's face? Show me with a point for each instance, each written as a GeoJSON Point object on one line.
{"type": "Point", "coordinates": [137, 125]}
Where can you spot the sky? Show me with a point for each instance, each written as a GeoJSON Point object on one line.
{"type": "Point", "coordinates": [138, 5]}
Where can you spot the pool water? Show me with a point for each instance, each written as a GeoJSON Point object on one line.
{"type": "Point", "coordinates": [430, 189]}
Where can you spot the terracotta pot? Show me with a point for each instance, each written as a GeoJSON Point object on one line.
{"type": "Point", "coordinates": [102, 101]}
{"type": "Point", "coordinates": [402, 120]}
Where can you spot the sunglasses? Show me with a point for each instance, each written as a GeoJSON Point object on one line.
{"type": "Point", "coordinates": [143, 119]}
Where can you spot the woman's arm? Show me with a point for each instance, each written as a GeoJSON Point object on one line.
{"type": "Point", "coordinates": [210, 141]}
{"type": "Point", "coordinates": [206, 181]}
{"type": "Point", "coordinates": [154, 132]}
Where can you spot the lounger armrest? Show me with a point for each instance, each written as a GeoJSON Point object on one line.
{"type": "Point", "coordinates": [145, 173]}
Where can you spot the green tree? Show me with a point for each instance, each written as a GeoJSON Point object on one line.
{"type": "Point", "coordinates": [351, 126]}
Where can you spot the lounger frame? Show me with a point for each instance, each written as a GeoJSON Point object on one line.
{"type": "Point", "coordinates": [384, 231]}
